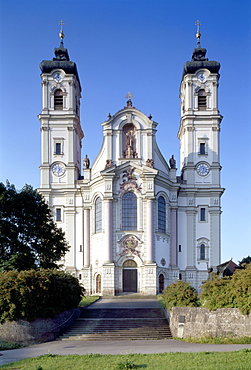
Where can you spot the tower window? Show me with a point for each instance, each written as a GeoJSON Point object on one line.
{"type": "Point", "coordinates": [161, 215]}
{"type": "Point", "coordinates": [58, 214]}
{"type": "Point", "coordinates": [203, 214]}
{"type": "Point", "coordinates": [202, 100]}
{"type": "Point", "coordinates": [98, 215]}
{"type": "Point", "coordinates": [129, 211]}
{"type": "Point", "coordinates": [202, 252]}
{"type": "Point", "coordinates": [58, 148]}
{"type": "Point", "coordinates": [202, 148]}
{"type": "Point", "coordinates": [58, 99]}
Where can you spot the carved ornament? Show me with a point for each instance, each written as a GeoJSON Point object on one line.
{"type": "Point", "coordinates": [130, 181]}
{"type": "Point", "coordinates": [129, 246]}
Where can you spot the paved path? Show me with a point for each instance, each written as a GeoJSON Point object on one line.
{"type": "Point", "coordinates": [115, 347]}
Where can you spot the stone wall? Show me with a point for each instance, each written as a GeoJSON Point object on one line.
{"type": "Point", "coordinates": [198, 322]}
{"type": "Point", "coordinates": [37, 331]}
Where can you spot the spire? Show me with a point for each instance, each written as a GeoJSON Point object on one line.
{"type": "Point", "coordinates": [199, 59]}
{"type": "Point", "coordinates": [61, 53]}
{"type": "Point", "coordinates": [199, 53]}
{"type": "Point", "coordinates": [61, 59]}
{"type": "Point", "coordinates": [61, 33]}
{"type": "Point", "coordinates": [198, 34]}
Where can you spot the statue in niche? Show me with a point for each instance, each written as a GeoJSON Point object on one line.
{"type": "Point", "coordinates": [129, 144]}
{"type": "Point", "coordinates": [86, 162]}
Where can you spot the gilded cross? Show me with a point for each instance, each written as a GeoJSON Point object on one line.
{"type": "Point", "coordinates": [198, 34]}
{"type": "Point", "coordinates": [61, 33]}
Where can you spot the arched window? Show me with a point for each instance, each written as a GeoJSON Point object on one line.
{"type": "Point", "coordinates": [98, 215]}
{"type": "Point", "coordinates": [58, 99]}
{"type": "Point", "coordinates": [129, 211]}
{"type": "Point", "coordinates": [202, 99]}
{"type": "Point", "coordinates": [202, 252]}
{"type": "Point", "coordinates": [161, 215]}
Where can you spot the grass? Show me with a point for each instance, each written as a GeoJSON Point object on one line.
{"type": "Point", "coordinates": [240, 360]}
{"type": "Point", "coordinates": [87, 300]}
{"type": "Point", "coordinates": [217, 340]}
{"type": "Point", "coordinates": [8, 345]}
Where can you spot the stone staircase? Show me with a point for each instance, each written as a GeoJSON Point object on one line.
{"type": "Point", "coordinates": [119, 324]}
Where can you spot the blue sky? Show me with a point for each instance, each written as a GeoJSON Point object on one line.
{"type": "Point", "coordinates": [138, 46]}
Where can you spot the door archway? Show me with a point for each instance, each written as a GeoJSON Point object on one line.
{"type": "Point", "coordinates": [98, 283]}
{"type": "Point", "coordinates": [161, 283]}
{"type": "Point", "coordinates": [130, 276]}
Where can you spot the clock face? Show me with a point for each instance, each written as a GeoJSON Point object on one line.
{"type": "Point", "coordinates": [57, 77]}
{"type": "Point", "coordinates": [201, 76]}
{"type": "Point", "coordinates": [202, 169]}
{"type": "Point", "coordinates": [58, 169]}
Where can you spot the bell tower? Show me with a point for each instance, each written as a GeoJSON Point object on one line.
{"type": "Point", "coordinates": [61, 132]}
{"type": "Point", "coordinates": [199, 135]}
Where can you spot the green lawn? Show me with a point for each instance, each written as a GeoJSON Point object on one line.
{"type": "Point", "coordinates": [178, 361]}
{"type": "Point", "coordinates": [87, 300]}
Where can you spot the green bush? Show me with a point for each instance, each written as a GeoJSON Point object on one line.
{"type": "Point", "coordinates": [215, 293]}
{"type": "Point", "coordinates": [232, 292]}
{"type": "Point", "coordinates": [240, 289]}
{"type": "Point", "coordinates": [180, 294]}
{"type": "Point", "coordinates": [33, 294]}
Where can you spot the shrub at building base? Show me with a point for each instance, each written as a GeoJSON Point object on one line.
{"type": "Point", "coordinates": [234, 292]}
{"type": "Point", "coordinates": [33, 294]}
{"type": "Point", "coordinates": [180, 294]}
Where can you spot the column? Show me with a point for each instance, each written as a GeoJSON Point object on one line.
{"type": "Point", "coordinates": [191, 247]}
{"type": "Point", "coordinates": [108, 229]}
{"type": "Point", "coordinates": [173, 237]}
{"type": "Point", "coordinates": [86, 237]}
{"type": "Point", "coordinates": [215, 237]}
{"type": "Point", "coordinates": [150, 232]}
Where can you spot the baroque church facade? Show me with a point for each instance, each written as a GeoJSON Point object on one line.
{"type": "Point", "coordinates": [133, 223]}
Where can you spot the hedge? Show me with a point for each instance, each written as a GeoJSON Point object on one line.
{"type": "Point", "coordinates": [33, 294]}
{"type": "Point", "coordinates": [180, 294]}
{"type": "Point", "coordinates": [232, 292]}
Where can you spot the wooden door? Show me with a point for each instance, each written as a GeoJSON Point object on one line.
{"type": "Point", "coordinates": [130, 280]}
{"type": "Point", "coordinates": [98, 283]}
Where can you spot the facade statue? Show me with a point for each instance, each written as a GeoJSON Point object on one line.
{"type": "Point", "coordinates": [86, 162]}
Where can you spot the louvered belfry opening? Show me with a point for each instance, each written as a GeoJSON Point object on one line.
{"type": "Point", "coordinates": [58, 99]}
{"type": "Point", "coordinates": [202, 100]}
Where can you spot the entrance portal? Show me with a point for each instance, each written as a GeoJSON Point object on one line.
{"type": "Point", "coordinates": [130, 277]}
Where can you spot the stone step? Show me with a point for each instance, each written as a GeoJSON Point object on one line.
{"type": "Point", "coordinates": [119, 324]}
{"type": "Point", "coordinates": [122, 313]}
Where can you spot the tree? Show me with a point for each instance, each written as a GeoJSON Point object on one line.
{"type": "Point", "coordinates": [245, 261]}
{"type": "Point", "coordinates": [29, 238]}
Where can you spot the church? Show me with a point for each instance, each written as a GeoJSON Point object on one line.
{"type": "Point", "coordinates": [134, 223]}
